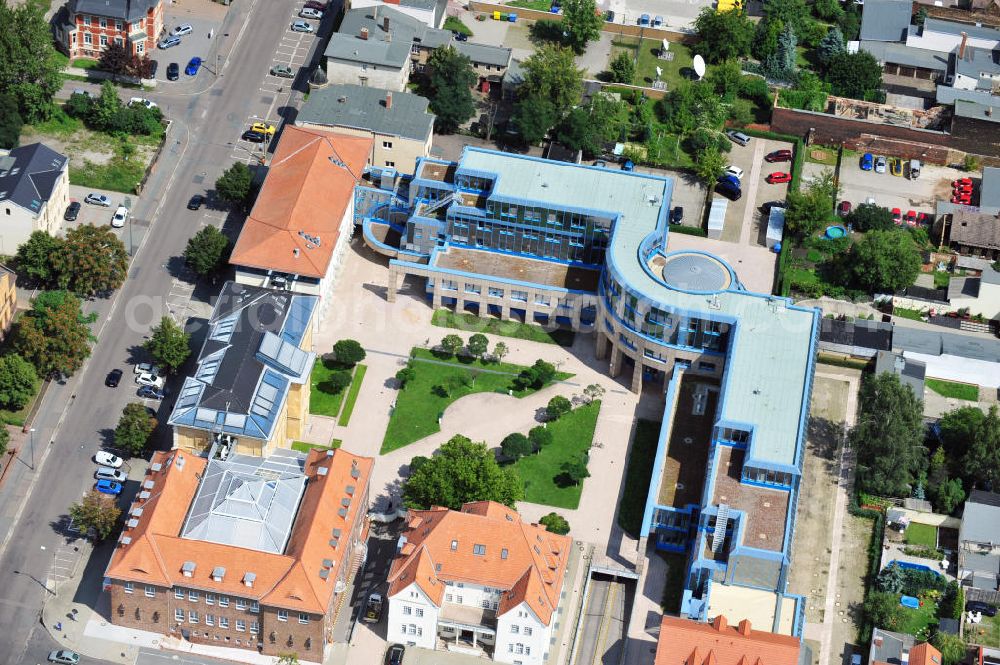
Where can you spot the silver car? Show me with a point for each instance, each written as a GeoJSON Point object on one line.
{"type": "Point", "coordinates": [98, 199]}
{"type": "Point", "coordinates": [169, 42]}
{"type": "Point", "coordinates": [107, 473]}
{"type": "Point", "coordinates": [302, 26]}
{"type": "Point", "coordinates": [64, 657]}
{"type": "Point", "coordinates": [880, 164]}
{"type": "Point", "coordinates": [309, 12]}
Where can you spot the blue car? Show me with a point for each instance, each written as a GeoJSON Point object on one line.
{"type": "Point", "coordinates": [867, 162]}
{"type": "Point", "coordinates": [193, 66]}
{"type": "Point", "coordinates": [644, 19]}
{"type": "Point", "coordinates": [108, 487]}
{"type": "Point", "coordinates": [731, 179]}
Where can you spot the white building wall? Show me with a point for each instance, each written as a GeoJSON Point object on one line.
{"type": "Point", "coordinates": [412, 618]}
{"type": "Point", "coordinates": [522, 638]}
{"type": "Point", "coordinates": [17, 223]}
{"type": "Point", "coordinates": [471, 595]}
{"type": "Point", "coordinates": [425, 16]}
{"type": "Point", "coordinates": [987, 303]}
{"type": "Point", "coordinates": [374, 76]}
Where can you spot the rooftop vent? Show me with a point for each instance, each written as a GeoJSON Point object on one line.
{"type": "Point", "coordinates": [218, 573]}
{"type": "Point", "coordinates": [126, 540]}
{"type": "Point", "coordinates": [334, 542]}
{"type": "Point", "coordinates": [248, 578]}
{"type": "Point", "coordinates": [336, 533]}
{"type": "Point", "coordinates": [329, 453]}
{"type": "Point", "coordinates": [136, 512]}
{"type": "Point", "coordinates": [188, 568]}
{"type": "Point", "coordinates": [132, 523]}
{"type": "Point", "coordinates": [148, 484]}
{"type": "Point", "coordinates": [155, 466]}
{"type": "Point", "coordinates": [345, 502]}
{"type": "Point", "coordinates": [180, 461]}
{"type": "Point", "coordinates": [143, 495]}
{"type": "Point", "coordinates": [355, 471]}
{"type": "Point", "coordinates": [322, 471]}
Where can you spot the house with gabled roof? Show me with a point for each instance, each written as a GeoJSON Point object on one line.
{"type": "Point", "coordinates": [34, 193]}
{"type": "Point", "coordinates": [687, 642]}
{"type": "Point", "coordinates": [478, 580]}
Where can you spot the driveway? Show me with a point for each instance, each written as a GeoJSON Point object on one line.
{"type": "Point", "coordinates": [745, 223]}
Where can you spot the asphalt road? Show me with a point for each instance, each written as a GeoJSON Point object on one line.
{"type": "Point", "coordinates": [602, 634]}
{"type": "Point", "coordinates": [78, 416]}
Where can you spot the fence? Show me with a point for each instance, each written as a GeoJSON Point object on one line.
{"type": "Point", "coordinates": [155, 159]}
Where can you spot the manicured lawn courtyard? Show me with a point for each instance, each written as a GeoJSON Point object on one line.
{"type": "Point", "coordinates": [921, 534]}
{"type": "Point", "coordinates": [572, 435]}
{"type": "Point", "coordinates": [352, 395]}
{"type": "Point", "coordinates": [304, 447]}
{"type": "Point", "coordinates": [674, 70]}
{"type": "Point", "coordinates": [323, 399]}
{"type": "Point", "coordinates": [919, 621]}
{"type": "Point", "coordinates": [473, 324]}
{"type": "Point", "coordinates": [637, 475]}
{"type": "Point", "coordinates": [954, 390]}
{"type": "Point", "coordinates": [421, 402]}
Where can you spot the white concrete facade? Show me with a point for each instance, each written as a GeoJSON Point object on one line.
{"type": "Point", "coordinates": [339, 70]}
{"type": "Point", "coordinates": [17, 223]}
{"type": "Point", "coordinates": [412, 618]}
{"type": "Point", "coordinates": [522, 638]}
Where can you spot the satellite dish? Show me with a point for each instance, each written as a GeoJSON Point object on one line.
{"type": "Point", "coordinates": [699, 65]}
{"type": "Point", "coordinates": [659, 72]}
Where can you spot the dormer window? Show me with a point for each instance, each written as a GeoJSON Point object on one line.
{"type": "Point", "coordinates": [249, 578]}
{"type": "Point", "coordinates": [218, 573]}
{"type": "Point", "coordinates": [188, 568]}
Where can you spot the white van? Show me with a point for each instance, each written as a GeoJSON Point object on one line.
{"type": "Point", "coordinates": [914, 169]}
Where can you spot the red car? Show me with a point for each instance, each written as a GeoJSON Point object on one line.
{"type": "Point", "coordinates": [962, 190]}
{"type": "Point", "coordinates": [312, 4]}
{"type": "Point", "coordinates": [964, 200]}
{"type": "Point", "coordinates": [897, 215]}
{"type": "Point", "coordinates": [778, 177]}
{"type": "Point", "coordinates": [961, 182]}
{"type": "Point", "coordinates": [779, 156]}
{"type": "Point", "coordinates": [911, 218]}
{"type": "Point", "coordinates": [844, 209]}
{"type": "Point", "coordinates": [923, 219]}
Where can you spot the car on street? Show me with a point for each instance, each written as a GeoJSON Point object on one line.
{"type": "Point", "coordinates": [194, 64]}
{"type": "Point", "coordinates": [113, 378]}
{"type": "Point", "coordinates": [866, 161]}
{"type": "Point", "coordinates": [980, 606]}
{"type": "Point", "coordinates": [302, 26]}
{"type": "Point", "coordinates": [896, 166]}
{"type": "Point", "coordinates": [677, 215]}
{"type": "Point", "coordinates": [779, 156]}
{"type": "Point", "coordinates": [81, 91]}
{"type": "Point", "coordinates": [253, 137]}
{"type": "Point", "coordinates": [196, 202]}
{"type": "Point", "coordinates": [146, 368]}
{"type": "Point", "coordinates": [644, 19]}
{"type": "Point", "coordinates": [104, 458]}
{"type": "Point", "coordinates": [844, 209]}
{"type": "Point", "coordinates": [149, 379]}
{"type": "Point", "coordinates": [151, 392]}
{"type": "Point", "coordinates": [153, 66]}
{"type": "Point", "coordinates": [142, 101]}
{"type": "Point", "coordinates": [262, 128]}
{"type": "Point", "coordinates": [309, 12]}
{"type": "Point", "coordinates": [657, 21]}
{"type": "Point", "coordinates": [64, 657]}
{"type": "Point", "coordinates": [911, 218]}
{"type": "Point", "coordinates": [173, 71]}
{"type": "Point", "coordinates": [735, 171]}
{"type": "Point", "coordinates": [169, 42]}
{"type": "Point", "coordinates": [373, 609]}
{"type": "Point", "coordinates": [107, 473]}
{"type": "Point", "coordinates": [897, 216]}
{"type": "Point", "coordinates": [119, 218]}
{"type": "Point", "coordinates": [394, 656]}
{"type": "Point", "coordinates": [282, 71]}
{"type": "Point", "coordinates": [313, 4]}
{"type": "Point", "coordinates": [181, 30]}
{"type": "Point", "coordinates": [98, 199]}
{"type": "Point", "coordinates": [778, 177]}
{"type": "Point", "coordinates": [108, 487]}
{"type": "Point", "coordinates": [729, 190]}
{"type": "Point", "coordinates": [72, 211]}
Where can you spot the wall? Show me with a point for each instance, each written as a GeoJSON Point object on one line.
{"type": "Point", "coordinates": [192, 440]}
{"type": "Point", "coordinates": [413, 598]}
{"type": "Point", "coordinates": [386, 78]}
{"type": "Point", "coordinates": [298, 409]}
{"type": "Point", "coordinates": [507, 641]}
{"type": "Point", "coordinates": [18, 223]}
{"type": "Point", "coordinates": [8, 301]}
{"type": "Point", "coordinates": [305, 639]}
{"type": "Point", "coordinates": [403, 153]}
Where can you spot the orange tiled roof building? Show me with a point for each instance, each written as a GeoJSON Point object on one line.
{"type": "Point", "coordinates": [687, 642]}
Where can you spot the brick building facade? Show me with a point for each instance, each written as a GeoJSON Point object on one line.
{"type": "Point", "coordinates": [89, 26]}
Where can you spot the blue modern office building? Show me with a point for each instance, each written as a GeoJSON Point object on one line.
{"type": "Point", "coordinates": [516, 236]}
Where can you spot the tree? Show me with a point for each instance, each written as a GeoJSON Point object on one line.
{"type": "Point", "coordinates": [450, 82]}
{"type": "Point", "coordinates": [953, 602]}
{"type": "Point", "coordinates": [888, 437]}
{"type": "Point", "coordinates": [724, 35]}
{"type": "Point", "coordinates": [34, 257]}
{"type": "Point", "coordinates": [405, 375]}
{"type": "Point", "coordinates": [884, 261]}
{"type": "Point", "coordinates": [349, 352]}
{"type": "Point", "coordinates": [54, 335]}
{"type": "Point", "coordinates": [557, 407]}
{"type": "Point", "coordinates": [169, 345]}
{"type": "Point", "coordinates": [857, 75]}
{"type": "Point", "coordinates": [957, 428]}
{"type": "Point", "coordinates": [593, 392]}
{"type": "Point", "coordinates": [90, 261]}
{"type": "Point", "coordinates": [500, 350]}
{"type": "Point", "coordinates": [17, 381]}
{"type": "Point", "coordinates": [850, 22]}
{"type": "Point", "coordinates": [288, 659]}
{"type": "Point", "coordinates": [952, 647]}
{"type": "Point", "coordinates": [781, 63]}
{"type": "Point", "coordinates": [891, 579]}
{"type": "Point", "coordinates": [134, 428]}
{"type": "Point", "coordinates": [540, 436]}
{"type": "Point", "coordinates": [949, 496]}
{"type": "Point", "coordinates": [4, 440]}
{"type": "Point", "coordinates": [450, 344]}
{"type": "Point", "coordinates": [765, 39]}
{"type": "Point", "coordinates": [575, 470]}
{"type": "Point", "coordinates": [789, 12]}
{"type": "Point", "coordinates": [29, 66]}
{"type": "Point", "coordinates": [589, 127]}
{"type": "Point", "coordinates": [709, 165]}
{"type": "Point", "coordinates": [582, 23]}
{"type": "Point", "coordinates": [981, 463]}
{"type": "Point", "coordinates": [96, 511]}
{"type": "Point", "coordinates": [462, 471]}
{"type": "Point", "coordinates": [828, 10]}
{"type": "Point", "coordinates": [336, 382]}
{"type": "Point", "coordinates": [207, 251]}
{"type": "Point", "coordinates": [102, 111]}
{"type": "Point", "coordinates": [870, 217]}
{"type": "Point", "coordinates": [233, 186]}
{"type": "Point", "coordinates": [536, 376]}
{"type": "Point", "coordinates": [515, 446]}
{"type": "Point", "coordinates": [808, 209]}
{"type": "Point", "coordinates": [555, 523]}
{"type": "Point", "coordinates": [622, 68]}
{"type": "Point", "coordinates": [831, 46]}
{"type": "Point", "coordinates": [10, 122]}
{"type": "Point", "coordinates": [884, 611]}
{"type": "Point", "coordinates": [478, 345]}
{"type": "Point", "coordinates": [552, 85]}
{"type": "Point", "coordinates": [533, 117]}
{"type": "Point", "coordinates": [116, 59]}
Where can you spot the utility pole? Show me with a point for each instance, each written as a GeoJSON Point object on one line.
{"type": "Point", "coordinates": [32, 436]}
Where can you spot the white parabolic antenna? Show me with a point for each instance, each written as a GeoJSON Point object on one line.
{"type": "Point", "coordinates": [699, 65]}
{"type": "Point", "coordinates": [659, 72]}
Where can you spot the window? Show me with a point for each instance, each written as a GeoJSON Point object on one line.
{"type": "Point", "coordinates": [192, 616]}
{"type": "Point", "coordinates": [454, 545]}
{"type": "Point", "coordinates": [209, 619]}
{"type": "Point", "coordinates": [254, 627]}
{"type": "Point", "coordinates": [449, 598]}
{"type": "Point", "coordinates": [179, 616]}
{"type": "Point", "coordinates": [86, 20]}
{"type": "Point", "coordinates": [103, 22]}
{"type": "Point", "coordinates": [118, 41]}
{"type": "Point", "coordinates": [150, 591]}
{"type": "Point", "coordinates": [118, 25]}
{"type": "Point", "coordinates": [223, 601]}
{"type": "Point", "coordinates": [303, 617]}
{"type": "Point", "coordinates": [210, 599]}
{"type": "Point", "coordinates": [518, 648]}
{"type": "Point", "coordinates": [140, 47]}
{"type": "Point", "coordinates": [224, 623]}
{"type": "Point", "coordinates": [387, 145]}
{"type": "Point", "coordinates": [282, 615]}
{"type": "Point", "coordinates": [479, 550]}
{"type": "Point", "coordinates": [449, 285]}
{"type": "Point", "coordinates": [179, 594]}
{"type": "Point", "coordinates": [407, 610]}
{"type": "Point", "coordinates": [391, 165]}
{"type": "Point", "coordinates": [706, 367]}
{"type": "Point", "coordinates": [503, 553]}
{"type": "Point", "coordinates": [104, 40]}
{"type": "Point", "coordinates": [519, 295]}
{"type": "Point", "coordinates": [255, 607]}
{"type": "Point", "coordinates": [527, 650]}
{"type": "Point", "coordinates": [420, 611]}
{"type": "Point", "coordinates": [88, 39]}
{"type": "Point", "coordinates": [129, 587]}
{"type": "Point", "coordinates": [458, 599]}
{"type": "Point", "coordinates": [495, 292]}
{"type": "Point", "coordinates": [241, 604]}
{"type": "Point", "coordinates": [473, 288]}
{"type": "Point", "coordinates": [241, 625]}
{"type": "Point", "coordinates": [515, 629]}
{"type": "Point", "coordinates": [527, 630]}
{"type": "Point", "coordinates": [192, 595]}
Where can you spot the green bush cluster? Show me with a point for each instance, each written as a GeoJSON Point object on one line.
{"type": "Point", "coordinates": [107, 113]}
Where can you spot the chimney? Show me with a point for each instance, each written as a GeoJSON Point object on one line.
{"type": "Point", "coordinates": [719, 623]}
{"type": "Point", "coordinates": [364, 33]}
{"type": "Point", "coordinates": [961, 47]}
{"type": "Point", "coordinates": [745, 628]}
{"type": "Point", "coordinates": [388, 101]}
{"type": "Point", "coordinates": [385, 23]}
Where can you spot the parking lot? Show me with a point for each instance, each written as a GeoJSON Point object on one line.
{"type": "Point", "coordinates": [205, 18]}
{"type": "Point", "coordinates": [745, 223]}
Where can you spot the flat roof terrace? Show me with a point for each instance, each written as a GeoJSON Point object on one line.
{"type": "Point", "coordinates": [690, 439]}
{"type": "Point", "coordinates": [438, 172]}
{"type": "Point", "coordinates": [507, 266]}
{"type": "Point", "coordinates": [760, 607]}
{"type": "Point", "coordinates": [765, 509]}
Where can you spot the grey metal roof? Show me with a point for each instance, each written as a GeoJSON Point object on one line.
{"type": "Point", "coordinates": [982, 563]}
{"type": "Point", "coordinates": [248, 502]}
{"type": "Point", "coordinates": [953, 28]}
{"type": "Point", "coordinates": [989, 195]}
{"type": "Point", "coordinates": [984, 581]}
{"type": "Point", "coordinates": [129, 10]}
{"type": "Point", "coordinates": [363, 107]}
{"type": "Point", "coordinates": [936, 343]}
{"type": "Point", "coordinates": [484, 54]}
{"type": "Point", "coordinates": [901, 54]}
{"type": "Point", "coordinates": [888, 647]}
{"type": "Point", "coordinates": [976, 110]}
{"type": "Point", "coordinates": [886, 20]}
{"type": "Point", "coordinates": [978, 62]}
{"type": "Point", "coordinates": [910, 372]}
{"type": "Point", "coordinates": [29, 174]}
{"type": "Point", "coordinates": [981, 518]}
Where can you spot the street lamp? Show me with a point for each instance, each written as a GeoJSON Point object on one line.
{"type": "Point", "coordinates": [32, 437]}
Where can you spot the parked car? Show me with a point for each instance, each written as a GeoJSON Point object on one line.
{"type": "Point", "coordinates": [282, 71]}
{"type": "Point", "coordinates": [394, 656]}
{"type": "Point", "coordinates": [677, 215]}
{"type": "Point", "coordinates": [196, 202]}
{"type": "Point", "coordinates": [104, 458]}
{"type": "Point", "coordinates": [153, 66]}
{"type": "Point", "coordinates": [644, 19]}
{"type": "Point", "coordinates": [113, 378]}
{"type": "Point", "coordinates": [108, 487]}
{"type": "Point", "coordinates": [309, 12]}
{"type": "Point", "coordinates": [867, 161]}
{"type": "Point", "coordinates": [911, 218]}
{"type": "Point", "coordinates": [735, 171]}
{"type": "Point", "coordinates": [895, 166]}
{"type": "Point", "coordinates": [151, 392]}
{"type": "Point", "coordinates": [880, 164]}
{"type": "Point", "coordinates": [119, 218]}
{"type": "Point", "coordinates": [729, 190]}
{"type": "Point", "coordinates": [609, 16]}
{"type": "Point", "coordinates": [142, 101]}
{"type": "Point", "coordinates": [194, 64]}
{"type": "Point", "coordinates": [107, 473]}
{"type": "Point", "coordinates": [460, 36]}
{"type": "Point", "coordinates": [628, 165]}
{"type": "Point", "coordinates": [923, 219]}
{"type": "Point", "coordinates": [373, 608]}
{"type": "Point", "coordinates": [72, 211]}
{"type": "Point", "coordinates": [169, 42]}
{"type": "Point", "coordinates": [181, 30]}
{"type": "Point", "coordinates": [98, 199]}
{"type": "Point", "coordinates": [149, 379]}
{"type": "Point", "coordinates": [253, 137]}
{"type": "Point", "coordinates": [731, 179]}
{"type": "Point", "coordinates": [313, 4]}
{"type": "Point", "coordinates": [64, 657]}
{"type": "Point", "coordinates": [657, 21]}
{"type": "Point", "coordinates": [778, 177]}
{"type": "Point", "coordinates": [738, 137]}
{"type": "Point", "coordinates": [980, 606]}
{"type": "Point", "coordinates": [779, 156]}
{"type": "Point", "coordinates": [173, 71]}
{"type": "Point", "coordinates": [302, 26]}
{"type": "Point", "coordinates": [263, 128]}
{"type": "Point", "coordinates": [897, 216]}
{"type": "Point", "coordinates": [145, 368]}
{"type": "Point", "coordinates": [844, 209]}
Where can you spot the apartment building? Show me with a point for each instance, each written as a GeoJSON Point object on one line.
{"type": "Point", "coordinates": [89, 26]}
{"type": "Point", "coordinates": [34, 193]}
{"type": "Point", "coordinates": [686, 642]}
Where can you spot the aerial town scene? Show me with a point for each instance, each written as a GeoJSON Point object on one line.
{"type": "Point", "coordinates": [542, 332]}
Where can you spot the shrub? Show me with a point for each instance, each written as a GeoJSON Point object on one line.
{"type": "Point", "coordinates": [540, 436]}
{"type": "Point", "coordinates": [348, 352]}
{"type": "Point", "coordinates": [555, 523]}
{"type": "Point", "coordinates": [516, 445]}
{"type": "Point", "coordinates": [557, 407]}
{"type": "Point", "coordinates": [336, 382]}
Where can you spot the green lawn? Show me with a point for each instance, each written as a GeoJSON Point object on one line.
{"type": "Point", "coordinates": [571, 437]}
{"type": "Point", "coordinates": [352, 394]}
{"type": "Point", "coordinates": [645, 70]}
{"type": "Point", "coordinates": [59, 124]}
{"type": "Point", "coordinates": [304, 447]}
{"type": "Point", "coordinates": [418, 406]}
{"type": "Point", "coordinates": [954, 390]}
{"type": "Point", "coordinates": [17, 417]}
{"type": "Point", "coordinates": [471, 323]}
{"type": "Point", "coordinates": [919, 621]}
{"type": "Point", "coordinates": [322, 400]}
{"type": "Point", "coordinates": [986, 633]}
{"type": "Point", "coordinates": [455, 25]}
{"type": "Point", "coordinates": [912, 314]}
{"type": "Point", "coordinates": [941, 279]}
{"type": "Point", "coordinates": [637, 475]}
{"type": "Point", "coordinates": [118, 175]}
{"type": "Point", "coordinates": [86, 63]}
{"type": "Point", "coordinates": [921, 534]}
{"type": "Point", "coordinates": [540, 5]}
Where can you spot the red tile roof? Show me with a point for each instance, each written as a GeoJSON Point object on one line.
{"type": "Point", "coordinates": [686, 642]}
{"type": "Point", "coordinates": [523, 559]}
{"type": "Point", "coordinates": [155, 553]}
{"type": "Point", "coordinates": [924, 654]}
{"type": "Point", "coordinates": [308, 189]}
